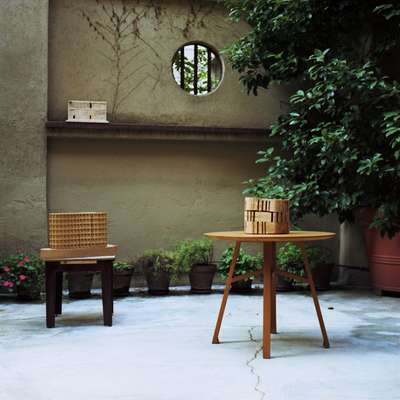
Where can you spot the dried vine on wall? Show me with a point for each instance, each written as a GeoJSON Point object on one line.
{"type": "Point", "coordinates": [118, 26]}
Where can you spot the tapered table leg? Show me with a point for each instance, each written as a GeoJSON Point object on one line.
{"type": "Point", "coordinates": [273, 290]}
{"type": "Point", "coordinates": [314, 296]}
{"type": "Point", "coordinates": [269, 260]}
{"type": "Point", "coordinates": [227, 289]}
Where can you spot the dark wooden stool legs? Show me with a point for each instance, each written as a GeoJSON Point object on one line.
{"type": "Point", "coordinates": [59, 287]}
{"type": "Point", "coordinates": [54, 279]}
{"type": "Point", "coordinates": [107, 294]}
{"type": "Point", "coordinates": [51, 271]}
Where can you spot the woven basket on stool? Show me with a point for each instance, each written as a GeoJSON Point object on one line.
{"type": "Point", "coordinates": [266, 216]}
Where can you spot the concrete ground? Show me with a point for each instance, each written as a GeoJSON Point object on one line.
{"type": "Point", "coordinates": [160, 349]}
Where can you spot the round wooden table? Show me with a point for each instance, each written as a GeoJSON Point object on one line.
{"type": "Point", "coordinates": [270, 272]}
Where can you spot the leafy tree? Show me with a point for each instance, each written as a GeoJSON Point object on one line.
{"type": "Point", "coordinates": [341, 134]}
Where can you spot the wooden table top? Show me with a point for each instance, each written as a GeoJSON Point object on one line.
{"type": "Point", "coordinates": [89, 253]}
{"type": "Point", "coordinates": [292, 236]}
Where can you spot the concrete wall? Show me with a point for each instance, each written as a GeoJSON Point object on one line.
{"type": "Point", "coordinates": [155, 192]}
{"type": "Point", "coordinates": [84, 66]}
{"type": "Point", "coordinates": [23, 106]}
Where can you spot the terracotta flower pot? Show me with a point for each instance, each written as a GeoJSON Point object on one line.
{"type": "Point", "coordinates": [242, 286]}
{"type": "Point", "coordinates": [122, 282]}
{"type": "Point", "coordinates": [28, 293]}
{"type": "Point", "coordinates": [283, 284]}
{"type": "Point", "coordinates": [322, 273]}
{"type": "Point", "coordinates": [201, 278]}
{"type": "Point", "coordinates": [383, 255]}
{"type": "Point", "coordinates": [80, 284]}
{"type": "Point", "coordinates": [158, 282]}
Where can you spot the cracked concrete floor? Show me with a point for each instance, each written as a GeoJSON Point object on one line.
{"type": "Point", "coordinates": [159, 349]}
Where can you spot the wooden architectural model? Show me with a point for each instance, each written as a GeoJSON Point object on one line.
{"type": "Point", "coordinates": [264, 216]}
{"type": "Point", "coordinates": [78, 235]}
{"type": "Point", "coordinates": [87, 111]}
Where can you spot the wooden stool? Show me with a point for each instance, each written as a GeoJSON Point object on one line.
{"type": "Point", "coordinates": [54, 280]}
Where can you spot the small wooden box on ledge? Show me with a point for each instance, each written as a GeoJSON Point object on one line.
{"type": "Point", "coordinates": [266, 216]}
{"type": "Point", "coordinates": [87, 111]}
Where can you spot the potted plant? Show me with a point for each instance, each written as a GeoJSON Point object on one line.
{"type": "Point", "coordinates": [340, 134]}
{"type": "Point", "coordinates": [23, 273]}
{"type": "Point", "coordinates": [321, 266]}
{"type": "Point", "coordinates": [245, 263]}
{"type": "Point", "coordinates": [194, 257]}
{"type": "Point", "coordinates": [122, 275]}
{"type": "Point", "coordinates": [80, 284]}
{"type": "Point", "coordinates": [158, 267]}
{"type": "Point", "coordinates": [289, 259]}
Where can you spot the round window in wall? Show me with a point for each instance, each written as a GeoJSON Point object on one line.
{"type": "Point", "coordinates": [197, 69]}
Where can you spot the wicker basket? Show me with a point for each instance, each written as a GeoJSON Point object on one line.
{"type": "Point", "coordinates": [77, 230]}
{"type": "Point", "coordinates": [266, 216]}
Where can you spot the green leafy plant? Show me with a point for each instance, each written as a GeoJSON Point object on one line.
{"type": "Point", "coordinates": [190, 252]}
{"type": "Point", "coordinates": [319, 255]}
{"type": "Point", "coordinates": [21, 270]}
{"type": "Point", "coordinates": [245, 263]}
{"type": "Point", "coordinates": [159, 260]}
{"type": "Point", "coordinates": [120, 266]}
{"type": "Point", "coordinates": [341, 134]}
{"type": "Point", "coordinates": [289, 258]}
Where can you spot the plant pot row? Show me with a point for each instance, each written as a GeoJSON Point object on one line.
{"type": "Point", "coordinates": [201, 279]}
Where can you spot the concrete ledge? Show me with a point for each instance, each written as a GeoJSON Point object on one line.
{"type": "Point", "coordinates": [117, 130]}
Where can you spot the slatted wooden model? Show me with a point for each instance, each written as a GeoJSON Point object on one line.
{"type": "Point", "coordinates": [266, 216]}
{"type": "Point", "coordinates": [71, 230]}
{"type": "Point", "coordinates": [87, 111]}
{"type": "Point", "coordinates": [77, 235]}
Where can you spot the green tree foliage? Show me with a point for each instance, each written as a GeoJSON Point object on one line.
{"type": "Point", "coordinates": [341, 134]}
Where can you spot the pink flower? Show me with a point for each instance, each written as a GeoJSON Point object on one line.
{"type": "Point", "coordinates": [22, 277]}
{"type": "Point", "coordinates": [11, 284]}
{"type": "Point", "coordinates": [8, 284]}
{"type": "Point", "coordinates": [6, 269]}
{"type": "Point", "coordinates": [21, 264]}
{"type": "Point", "coordinates": [26, 259]}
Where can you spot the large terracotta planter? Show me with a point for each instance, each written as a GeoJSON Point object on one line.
{"type": "Point", "coordinates": [383, 255]}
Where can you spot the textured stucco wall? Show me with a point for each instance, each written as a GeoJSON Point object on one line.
{"type": "Point", "coordinates": [159, 191]}
{"type": "Point", "coordinates": [23, 105]}
{"type": "Point", "coordinates": [155, 192]}
{"type": "Point", "coordinates": [82, 64]}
